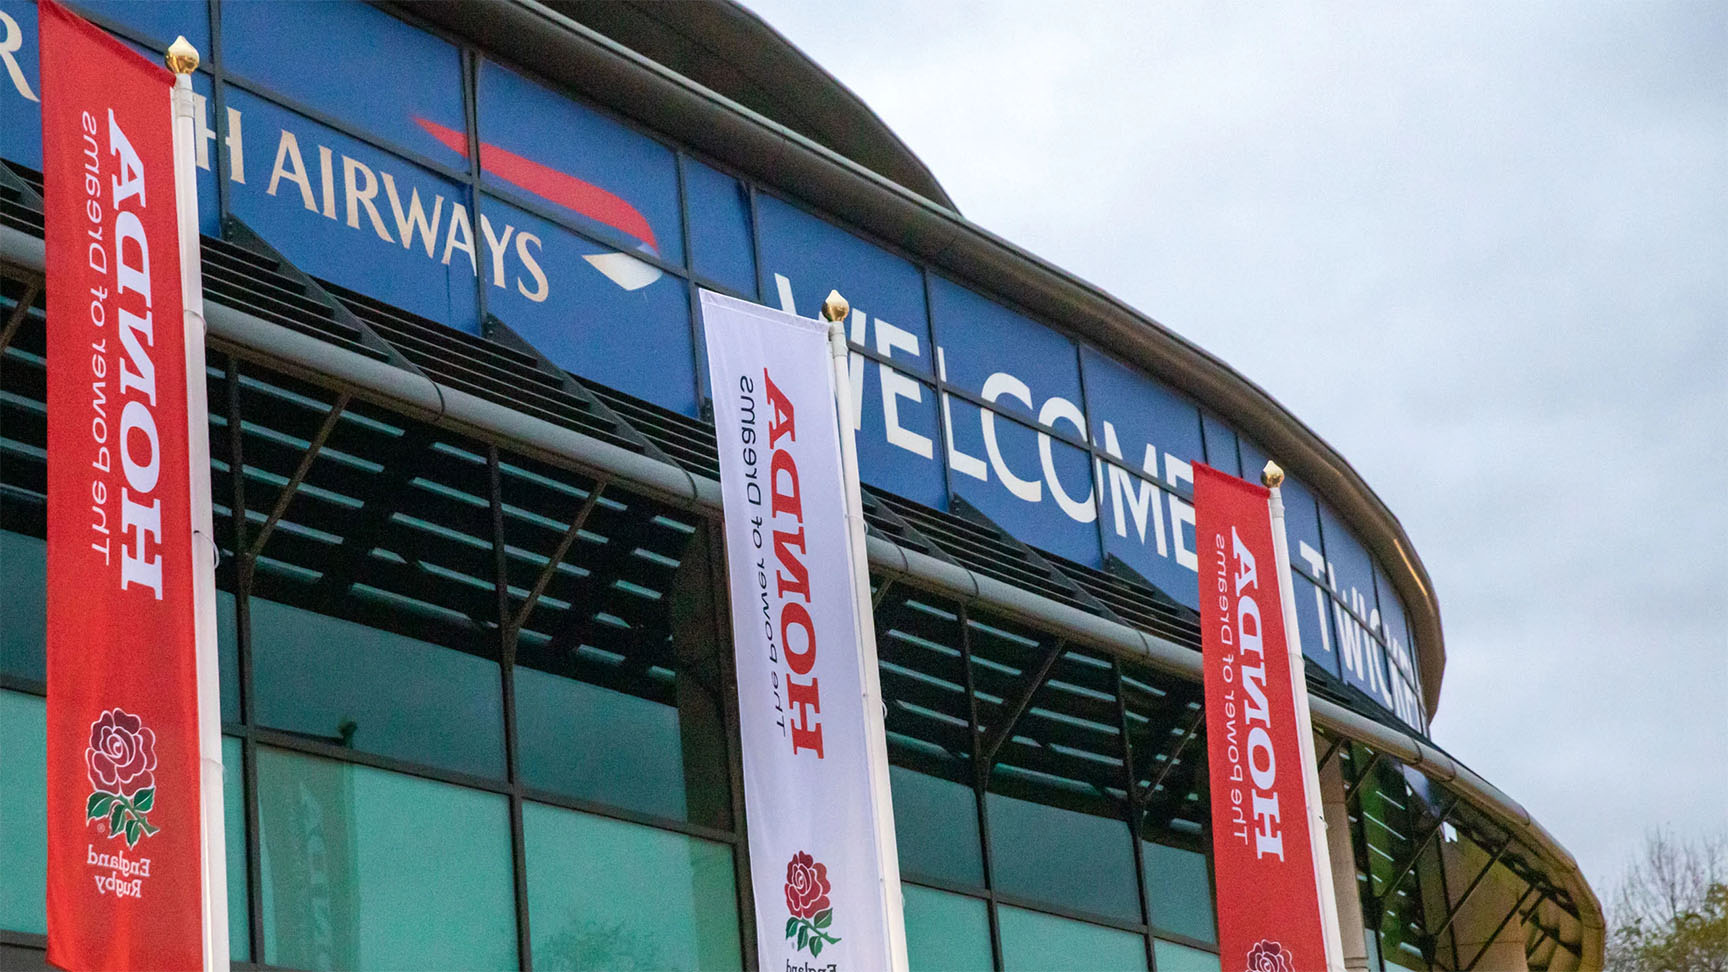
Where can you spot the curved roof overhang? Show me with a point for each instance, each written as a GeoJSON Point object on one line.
{"type": "Point", "coordinates": [538, 36]}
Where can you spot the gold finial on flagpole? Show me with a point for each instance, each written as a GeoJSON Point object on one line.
{"type": "Point", "coordinates": [182, 56]}
{"type": "Point", "coordinates": [835, 308]}
{"type": "Point", "coordinates": [1272, 476]}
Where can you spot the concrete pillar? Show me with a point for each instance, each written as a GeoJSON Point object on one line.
{"type": "Point", "coordinates": [1342, 851]}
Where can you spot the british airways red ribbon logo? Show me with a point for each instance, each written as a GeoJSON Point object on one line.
{"type": "Point", "coordinates": [578, 196]}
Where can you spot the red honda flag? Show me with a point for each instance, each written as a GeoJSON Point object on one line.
{"type": "Point", "coordinates": [1269, 912]}
{"type": "Point", "coordinates": [123, 760]}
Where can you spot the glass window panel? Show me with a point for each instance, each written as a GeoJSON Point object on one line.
{"type": "Point", "coordinates": [1301, 517]}
{"type": "Point", "coordinates": [1314, 622]}
{"type": "Point", "coordinates": [1151, 530]}
{"type": "Point", "coordinates": [367, 869]}
{"type": "Point", "coordinates": [227, 657]}
{"type": "Point", "coordinates": [1178, 891]}
{"type": "Point", "coordinates": [982, 341]}
{"type": "Point", "coordinates": [936, 826]}
{"type": "Point", "coordinates": [987, 450]}
{"type": "Point", "coordinates": [605, 894]}
{"type": "Point", "coordinates": [1220, 445]}
{"type": "Point", "coordinates": [349, 212]}
{"type": "Point", "coordinates": [1140, 421]}
{"type": "Point", "coordinates": [24, 592]}
{"type": "Point", "coordinates": [805, 256]}
{"type": "Point", "coordinates": [901, 458]}
{"type": "Point", "coordinates": [720, 242]}
{"type": "Point", "coordinates": [1038, 942]}
{"type": "Point", "coordinates": [1068, 858]}
{"type": "Point", "coordinates": [157, 21]}
{"type": "Point", "coordinates": [412, 80]}
{"type": "Point", "coordinates": [234, 845]}
{"type": "Point", "coordinates": [596, 744]}
{"type": "Point", "coordinates": [603, 177]}
{"type": "Point", "coordinates": [21, 118]}
{"type": "Point", "coordinates": [590, 308]}
{"type": "Point", "coordinates": [945, 932]}
{"type": "Point", "coordinates": [1171, 957]}
{"type": "Point", "coordinates": [24, 835]}
{"type": "Point", "coordinates": [375, 690]}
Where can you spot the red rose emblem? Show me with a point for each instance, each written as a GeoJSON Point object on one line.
{"type": "Point", "coordinates": [121, 758]}
{"type": "Point", "coordinates": [807, 891]}
{"type": "Point", "coordinates": [807, 886]}
{"type": "Point", "coordinates": [1268, 956]}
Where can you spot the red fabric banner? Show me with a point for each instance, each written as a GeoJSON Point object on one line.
{"type": "Point", "coordinates": [123, 813]}
{"type": "Point", "coordinates": [1269, 917]}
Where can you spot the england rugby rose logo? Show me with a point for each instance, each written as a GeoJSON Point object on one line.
{"type": "Point", "coordinates": [121, 763]}
{"type": "Point", "coordinates": [807, 889]}
{"type": "Point", "coordinates": [1268, 956]}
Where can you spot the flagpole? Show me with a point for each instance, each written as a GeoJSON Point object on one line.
{"type": "Point", "coordinates": [834, 311]}
{"type": "Point", "coordinates": [1273, 477]}
{"type": "Point", "coordinates": [183, 60]}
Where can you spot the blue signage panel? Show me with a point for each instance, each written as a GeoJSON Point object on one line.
{"type": "Point", "coordinates": [1140, 422]}
{"type": "Point", "coordinates": [352, 214]}
{"type": "Point", "coordinates": [721, 247]}
{"type": "Point", "coordinates": [592, 310]}
{"type": "Point", "coordinates": [898, 436]}
{"type": "Point", "coordinates": [21, 91]}
{"type": "Point", "coordinates": [1221, 445]}
{"type": "Point", "coordinates": [20, 84]}
{"type": "Point", "coordinates": [155, 21]}
{"type": "Point", "coordinates": [1355, 612]}
{"type": "Point", "coordinates": [1023, 367]}
{"type": "Point", "coordinates": [356, 64]}
{"type": "Point", "coordinates": [1400, 656]}
{"type": "Point", "coordinates": [1037, 488]}
{"type": "Point", "coordinates": [804, 257]}
{"type": "Point", "coordinates": [605, 179]}
{"type": "Point", "coordinates": [1150, 529]}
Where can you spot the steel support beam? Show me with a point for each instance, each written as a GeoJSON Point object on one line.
{"type": "Point", "coordinates": [1005, 731]}
{"type": "Point", "coordinates": [300, 472]}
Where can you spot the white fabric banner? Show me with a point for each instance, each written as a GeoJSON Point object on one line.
{"type": "Point", "coordinates": [816, 862]}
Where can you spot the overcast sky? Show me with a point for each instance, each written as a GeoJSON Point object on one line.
{"type": "Point", "coordinates": [1481, 248]}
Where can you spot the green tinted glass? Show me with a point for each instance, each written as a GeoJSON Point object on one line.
{"type": "Point", "coordinates": [24, 592]}
{"type": "Point", "coordinates": [1172, 957]}
{"type": "Point", "coordinates": [366, 869]}
{"type": "Point", "coordinates": [227, 657]}
{"type": "Point", "coordinates": [1068, 858]}
{"type": "Point", "coordinates": [234, 839]}
{"type": "Point", "coordinates": [597, 744]}
{"type": "Point", "coordinates": [1178, 891]}
{"type": "Point", "coordinates": [24, 822]}
{"type": "Point", "coordinates": [374, 690]}
{"type": "Point", "coordinates": [1037, 942]}
{"type": "Point", "coordinates": [605, 894]}
{"type": "Point", "coordinates": [936, 826]}
{"type": "Point", "coordinates": [945, 932]}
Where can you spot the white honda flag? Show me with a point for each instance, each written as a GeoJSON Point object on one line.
{"type": "Point", "coordinates": [818, 866]}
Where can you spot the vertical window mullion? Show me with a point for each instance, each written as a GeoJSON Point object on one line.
{"type": "Point", "coordinates": [243, 646]}
{"type": "Point", "coordinates": [727, 665]}
{"type": "Point", "coordinates": [507, 683]}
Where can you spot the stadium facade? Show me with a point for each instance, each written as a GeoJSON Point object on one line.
{"type": "Point", "coordinates": [477, 695]}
